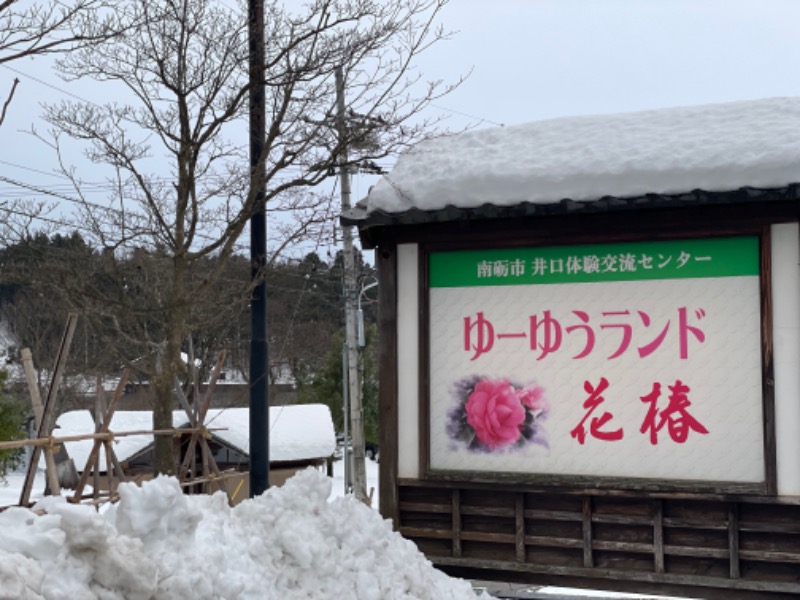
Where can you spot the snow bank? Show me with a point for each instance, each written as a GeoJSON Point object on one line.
{"type": "Point", "coordinates": [717, 147]}
{"type": "Point", "coordinates": [287, 544]}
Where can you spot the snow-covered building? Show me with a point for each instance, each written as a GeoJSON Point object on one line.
{"type": "Point", "coordinates": [590, 333]}
{"type": "Point", "coordinates": [300, 436]}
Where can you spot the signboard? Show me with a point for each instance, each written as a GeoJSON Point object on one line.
{"type": "Point", "coordinates": [634, 360]}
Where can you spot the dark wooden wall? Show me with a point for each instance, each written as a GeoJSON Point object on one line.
{"type": "Point", "coordinates": [693, 545]}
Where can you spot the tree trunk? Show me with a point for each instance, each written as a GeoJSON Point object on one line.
{"type": "Point", "coordinates": [163, 455]}
{"type": "Point", "coordinates": [164, 382]}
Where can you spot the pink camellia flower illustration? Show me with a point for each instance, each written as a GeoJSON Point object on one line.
{"type": "Point", "coordinates": [495, 413]}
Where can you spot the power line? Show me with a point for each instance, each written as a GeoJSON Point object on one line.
{"type": "Point", "coordinates": [463, 114]}
{"type": "Point", "coordinates": [49, 85]}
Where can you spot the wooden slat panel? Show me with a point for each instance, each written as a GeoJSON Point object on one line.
{"type": "Point", "coordinates": [622, 519]}
{"type": "Point", "coordinates": [423, 507]}
{"type": "Point", "coordinates": [675, 582]}
{"type": "Point", "coordinates": [623, 547]}
{"type": "Point", "coordinates": [553, 515]}
{"type": "Point", "coordinates": [520, 527]}
{"type": "Point", "coordinates": [420, 532]}
{"type": "Point", "coordinates": [456, 509]}
{"type": "Point", "coordinates": [695, 551]}
{"type": "Point", "coordinates": [694, 524]}
{"type": "Point", "coordinates": [767, 556]}
{"type": "Point", "coordinates": [658, 536]}
{"type": "Point", "coordinates": [485, 536]}
{"type": "Point", "coordinates": [733, 540]}
{"type": "Point", "coordinates": [551, 542]}
{"type": "Point", "coordinates": [697, 536]}
{"type": "Point", "coordinates": [781, 527]}
{"type": "Point", "coordinates": [588, 560]}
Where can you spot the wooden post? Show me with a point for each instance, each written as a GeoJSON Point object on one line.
{"type": "Point", "coordinates": [99, 411]}
{"type": "Point", "coordinates": [93, 459]}
{"type": "Point", "coordinates": [588, 542]}
{"type": "Point", "coordinates": [38, 412]}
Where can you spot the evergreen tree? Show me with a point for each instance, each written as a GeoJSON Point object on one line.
{"type": "Point", "coordinates": [12, 427]}
{"type": "Point", "coordinates": [326, 385]}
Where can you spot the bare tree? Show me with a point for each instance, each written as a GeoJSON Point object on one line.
{"type": "Point", "coordinates": [175, 142]}
{"type": "Point", "coordinates": [35, 28]}
{"type": "Point", "coordinates": [29, 28]}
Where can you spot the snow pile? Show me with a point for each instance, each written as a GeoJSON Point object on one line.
{"type": "Point", "coordinates": [717, 147]}
{"type": "Point", "coordinates": [289, 543]}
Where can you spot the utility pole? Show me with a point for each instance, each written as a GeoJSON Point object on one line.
{"type": "Point", "coordinates": [351, 343]}
{"type": "Point", "coordinates": [259, 350]}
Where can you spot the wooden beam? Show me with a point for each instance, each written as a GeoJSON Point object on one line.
{"type": "Point", "coordinates": [456, 522]}
{"type": "Point", "coordinates": [733, 540]}
{"type": "Point", "coordinates": [93, 461]}
{"type": "Point", "coordinates": [588, 558]}
{"type": "Point", "coordinates": [520, 527]}
{"type": "Point", "coordinates": [658, 536]}
{"type": "Point", "coordinates": [386, 263]}
{"type": "Point", "coordinates": [49, 406]}
{"type": "Point", "coordinates": [38, 413]}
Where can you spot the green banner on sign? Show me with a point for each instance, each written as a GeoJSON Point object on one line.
{"type": "Point", "coordinates": [671, 259]}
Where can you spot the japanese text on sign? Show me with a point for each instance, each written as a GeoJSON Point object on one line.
{"type": "Point", "coordinates": [546, 333]}
{"type": "Point", "coordinates": [675, 415]}
{"type": "Point", "coordinates": [588, 263]}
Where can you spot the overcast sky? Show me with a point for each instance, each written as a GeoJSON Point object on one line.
{"type": "Point", "coordinates": [536, 59]}
{"type": "Point", "coordinates": [539, 59]}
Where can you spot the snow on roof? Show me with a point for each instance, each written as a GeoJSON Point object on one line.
{"type": "Point", "coordinates": [297, 432]}
{"type": "Point", "coordinates": [718, 147]}
{"type": "Point", "coordinates": [79, 422]}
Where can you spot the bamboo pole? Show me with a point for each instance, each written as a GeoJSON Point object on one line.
{"type": "Point", "coordinates": [108, 435]}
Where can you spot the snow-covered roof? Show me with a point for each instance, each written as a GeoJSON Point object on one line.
{"type": "Point", "coordinates": [719, 147]}
{"type": "Point", "coordinates": [297, 432]}
{"type": "Point", "coordinates": [79, 422]}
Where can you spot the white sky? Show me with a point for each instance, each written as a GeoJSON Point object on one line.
{"type": "Point", "coordinates": [537, 59]}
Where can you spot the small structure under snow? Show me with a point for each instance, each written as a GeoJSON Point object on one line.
{"type": "Point", "coordinates": [300, 436]}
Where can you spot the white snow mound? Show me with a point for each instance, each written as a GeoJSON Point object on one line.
{"type": "Point", "coordinates": [158, 543]}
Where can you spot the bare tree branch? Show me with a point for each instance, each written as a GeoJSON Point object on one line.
{"type": "Point", "coordinates": [8, 101]}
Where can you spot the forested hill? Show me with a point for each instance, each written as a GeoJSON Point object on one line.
{"type": "Point", "coordinates": [121, 301]}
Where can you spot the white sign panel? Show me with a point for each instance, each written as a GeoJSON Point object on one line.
{"type": "Point", "coordinates": [628, 360]}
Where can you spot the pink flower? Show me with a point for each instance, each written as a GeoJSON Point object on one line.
{"type": "Point", "coordinates": [495, 413]}
{"type": "Point", "coordinates": [532, 396]}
